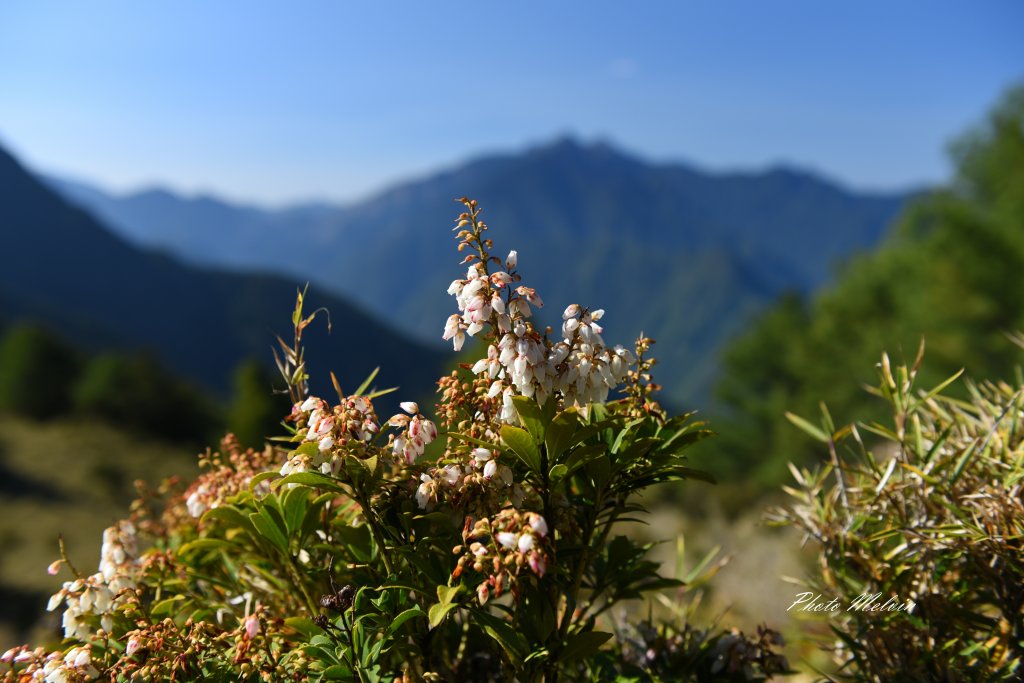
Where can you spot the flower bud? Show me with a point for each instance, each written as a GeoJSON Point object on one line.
{"type": "Point", "coordinates": [252, 626]}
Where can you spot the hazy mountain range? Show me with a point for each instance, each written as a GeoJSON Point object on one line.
{"type": "Point", "coordinates": [684, 255]}
{"type": "Point", "coordinates": [61, 267]}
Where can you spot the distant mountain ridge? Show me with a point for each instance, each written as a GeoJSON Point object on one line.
{"type": "Point", "coordinates": [686, 256]}
{"type": "Point", "coordinates": [61, 267]}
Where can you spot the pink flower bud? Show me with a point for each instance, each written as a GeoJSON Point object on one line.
{"type": "Point", "coordinates": [525, 543]}
{"type": "Point", "coordinates": [429, 431]}
{"type": "Point", "coordinates": [537, 563]}
{"type": "Point", "coordinates": [410, 407]}
{"type": "Point", "coordinates": [512, 260]}
{"type": "Point", "coordinates": [54, 567]}
{"type": "Point", "coordinates": [252, 626]}
{"type": "Point", "coordinates": [506, 539]}
{"type": "Point", "coordinates": [538, 524]}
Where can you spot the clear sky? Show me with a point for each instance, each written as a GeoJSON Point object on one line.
{"type": "Point", "coordinates": [272, 102]}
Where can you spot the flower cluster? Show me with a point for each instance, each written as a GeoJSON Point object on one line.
{"type": "Point", "coordinates": [101, 594]}
{"type": "Point", "coordinates": [472, 478]}
{"type": "Point", "coordinates": [586, 368]}
{"type": "Point", "coordinates": [500, 548]}
{"type": "Point", "coordinates": [73, 666]}
{"type": "Point", "coordinates": [580, 367]}
{"type": "Point", "coordinates": [520, 360]}
{"type": "Point", "coordinates": [416, 432]}
{"type": "Point", "coordinates": [336, 431]}
{"type": "Point", "coordinates": [227, 473]}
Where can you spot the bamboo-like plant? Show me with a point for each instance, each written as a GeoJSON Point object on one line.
{"type": "Point", "coordinates": [920, 529]}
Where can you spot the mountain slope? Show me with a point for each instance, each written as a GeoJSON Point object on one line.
{"type": "Point", "coordinates": [62, 267]}
{"type": "Point", "coordinates": [683, 255]}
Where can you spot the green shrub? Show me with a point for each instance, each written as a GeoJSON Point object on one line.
{"type": "Point", "coordinates": [256, 411]}
{"type": "Point", "coordinates": [136, 393]}
{"type": "Point", "coordinates": [927, 509]}
{"type": "Point", "coordinates": [357, 553]}
{"type": "Point", "coordinates": [36, 372]}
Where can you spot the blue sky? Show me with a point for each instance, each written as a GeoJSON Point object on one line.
{"type": "Point", "coordinates": [274, 102]}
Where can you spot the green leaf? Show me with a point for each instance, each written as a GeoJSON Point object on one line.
{"type": "Point", "coordinates": [583, 455]}
{"type": "Point", "coordinates": [369, 463]}
{"type": "Point", "coordinates": [320, 481]}
{"type": "Point", "coordinates": [366, 382]}
{"type": "Point", "coordinates": [523, 445]}
{"type": "Point", "coordinates": [270, 525]}
{"type": "Point", "coordinates": [203, 544]}
{"type": "Point", "coordinates": [166, 607]}
{"type": "Point", "coordinates": [311, 518]}
{"type": "Point", "coordinates": [293, 508]}
{"type": "Point", "coordinates": [231, 516]}
{"type": "Point", "coordinates": [531, 416]}
{"type": "Point", "coordinates": [310, 448]}
{"type": "Point", "coordinates": [961, 463]}
{"type": "Point", "coordinates": [471, 439]}
{"type": "Point", "coordinates": [337, 672]}
{"type": "Point", "coordinates": [690, 473]}
{"type": "Point", "coordinates": [600, 470]}
{"type": "Point", "coordinates": [583, 645]}
{"type": "Point", "coordinates": [683, 439]}
{"type": "Point", "coordinates": [445, 604]}
{"type": "Point", "coordinates": [560, 433]}
{"type": "Point", "coordinates": [405, 616]}
{"type": "Point", "coordinates": [261, 477]}
{"type": "Point", "coordinates": [357, 541]}
{"type": "Point", "coordinates": [558, 472]}
{"type": "Point", "coordinates": [807, 427]}
{"type": "Point", "coordinates": [304, 626]}
{"type": "Point", "coordinates": [510, 640]}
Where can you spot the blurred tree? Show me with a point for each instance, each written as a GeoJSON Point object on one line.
{"type": "Point", "coordinates": [256, 411]}
{"type": "Point", "coordinates": [952, 272]}
{"type": "Point", "coordinates": [134, 392]}
{"type": "Point", "coordinates": [36, 372]}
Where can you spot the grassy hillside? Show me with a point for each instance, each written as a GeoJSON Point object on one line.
{"type": "Point", "coordinates": [68, 477]}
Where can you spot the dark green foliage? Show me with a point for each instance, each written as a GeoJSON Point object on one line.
{"type": "Point", "coordinates": [256, 411]}
{"type": "Point", "coordinates": [135, 393]}
{"type": "Point", "coordinates": [952, 273]}
{"type": "Point", "coordinates": [36, 372]}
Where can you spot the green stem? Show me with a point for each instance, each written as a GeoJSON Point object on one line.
{"type": "Point", "coordinates": [373, 523]}
{"type": "Point", "coordinates": [353, 658]}
{"type": "Point", "coordinates": [296, 577]}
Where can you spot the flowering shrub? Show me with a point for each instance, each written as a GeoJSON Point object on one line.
{"type": "Point", "coordinates": [929, 524]}
{"type": "Point", "coordinates": [479, 544]}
